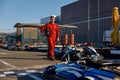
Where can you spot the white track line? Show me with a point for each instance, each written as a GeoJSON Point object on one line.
{"type": "Point", "coordinates": [9, 72]}
{"type": "Point", "coordinates": [6, 63]}
{"type": "Point", "coordinates": [29, 73]}
{"type": "Point", "coordinates": [4, 53]}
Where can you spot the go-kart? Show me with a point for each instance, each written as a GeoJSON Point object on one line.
{"type": "Point", "coordinates": [75, 71]}
{"type": "Point", "coordinates": [68, 53]}
{"type": "Point", "coordinates": [86, 56]}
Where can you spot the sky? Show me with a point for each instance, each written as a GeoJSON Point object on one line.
{"type": "Point", "coordinates": [27, 11]}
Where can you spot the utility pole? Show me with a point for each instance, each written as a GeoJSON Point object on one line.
{"type": "Point", "coordinates": [88, 20]}
{"type": "Point", "coordinates": [98, 24]}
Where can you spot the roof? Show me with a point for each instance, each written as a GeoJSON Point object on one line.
{"type": "Point", "coordinates": [28, 25]}
{"type": "Point", "coordinates": [39, 25]}
{"type": "Point", "coordinates": [67, 26]}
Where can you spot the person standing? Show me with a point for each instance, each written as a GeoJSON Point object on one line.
{"type": "Point", "coordinates": [51, 30]}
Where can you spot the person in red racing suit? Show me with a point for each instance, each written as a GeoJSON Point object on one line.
{"type": "Point", "coordinates": [52, 36]}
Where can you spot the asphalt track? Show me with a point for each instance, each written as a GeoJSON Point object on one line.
{"type": "Point", "coordinates": [23, 65]}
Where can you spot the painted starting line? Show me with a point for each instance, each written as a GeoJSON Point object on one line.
{"type": "Point", "coordinates": [29, 73]}
{"type": "Point", "coordinates": [22, 72]}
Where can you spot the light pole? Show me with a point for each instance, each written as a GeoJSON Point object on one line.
{"type": "Point", "coordinates": [88, 18]}
{"type": "Point", "coordinates": [98, 24]}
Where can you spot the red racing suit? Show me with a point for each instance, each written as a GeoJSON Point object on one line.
{"type": "Point", "coordinates": [52, 38]}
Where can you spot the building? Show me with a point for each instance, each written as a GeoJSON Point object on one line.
{"type": "Point", "coordinates": [93, 17]}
